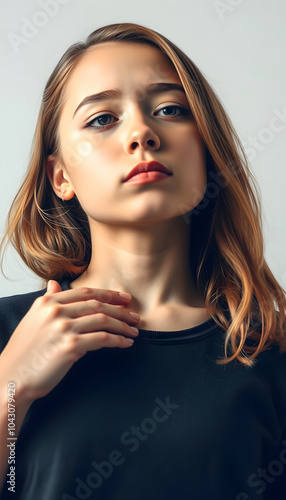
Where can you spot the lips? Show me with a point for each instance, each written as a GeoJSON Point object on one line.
{"type": "Point", "coordinates": [150, 166]}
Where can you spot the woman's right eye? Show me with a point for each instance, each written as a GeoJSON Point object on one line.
{"type": "Point", "coordinates": [101, 121]}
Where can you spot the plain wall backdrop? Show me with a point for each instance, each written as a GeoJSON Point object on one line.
{"type": "Point", "coordinates": [238, 44]}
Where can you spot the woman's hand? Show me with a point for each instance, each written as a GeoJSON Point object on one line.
{"type": "Point", "coordinates": [60, 327]}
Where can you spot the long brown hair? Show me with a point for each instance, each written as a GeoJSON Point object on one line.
{"type": "Point", "coordinates": [227, 259]}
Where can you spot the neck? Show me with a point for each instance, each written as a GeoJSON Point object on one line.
{"type": "Point", "coordinates": [150, 262]}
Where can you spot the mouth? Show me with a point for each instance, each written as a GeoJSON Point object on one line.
{"type": "Point", "coordinates": [146, 172]}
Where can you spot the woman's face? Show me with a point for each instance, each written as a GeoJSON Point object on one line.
{"type": "Point", "coordinates": [117, 113]}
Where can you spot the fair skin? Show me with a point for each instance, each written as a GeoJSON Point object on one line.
{"type": "Point", "coordinates": [139, 238]}
{"type": "Point", "coordinates": [140, 241]}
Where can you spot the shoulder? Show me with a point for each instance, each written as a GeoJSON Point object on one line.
{"type": "Point", "coordinates": [12, 310]}
{"type": "Point", "coordinates": [269, 375]}
{"type": "Point", "coordinates": [271, 361]}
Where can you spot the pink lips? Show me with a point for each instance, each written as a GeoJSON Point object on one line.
{"type": "Point", "coordinates": [147, 172]}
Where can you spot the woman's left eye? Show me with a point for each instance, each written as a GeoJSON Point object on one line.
{"type": "Point", "coordinates": [101, 121]}
{"type": "Point", "coordinates": [172, 111]}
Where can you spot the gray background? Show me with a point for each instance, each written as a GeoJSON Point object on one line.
{"type": "Point", "coordinates": [238, 44]}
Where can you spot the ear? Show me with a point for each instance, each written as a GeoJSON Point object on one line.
{"type": "Point", "coordinates": [59, 179]}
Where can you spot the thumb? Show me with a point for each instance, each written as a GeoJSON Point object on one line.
{"type": "Point", "coordinates": [53, 287]}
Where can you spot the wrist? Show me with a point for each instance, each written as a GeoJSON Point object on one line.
{"type": "Point", "coordinates": [14, 391]}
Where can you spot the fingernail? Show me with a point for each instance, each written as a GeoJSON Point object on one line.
{"type": "Point", "coordinates": [130, 341]}
{"type": "Point", "coordinates": [134, 330]}
{"type": "Point", "coordinates": [125, 295]}
{"type": "Point", "coordinates": [49, 284]}
{"type": "Point", "coordinates": [135, 316]}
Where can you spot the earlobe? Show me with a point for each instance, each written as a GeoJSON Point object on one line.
{"type": "Point", "coordinates": [59, 179]}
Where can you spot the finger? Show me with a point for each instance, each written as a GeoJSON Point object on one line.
{"type": "Point", "coordinates": [97, 340]}
{"type": "Point", "coordinates": [53, 287]}
{"type": "Point", "coordinates": [100, 321]}
{"type": "Point", "coordinates": [89, 307]}
{"type": "Point", "coordinates": [85, 293]}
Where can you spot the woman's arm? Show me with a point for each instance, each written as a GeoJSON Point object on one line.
{"type": "Point", "coordinates": [60, 327]}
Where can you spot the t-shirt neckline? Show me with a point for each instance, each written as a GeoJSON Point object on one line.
{"type": "Point", "coordinates": [191, 334]}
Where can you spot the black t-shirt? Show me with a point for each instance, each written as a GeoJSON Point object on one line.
{"type": "Point", "coordinates": [158, 420]}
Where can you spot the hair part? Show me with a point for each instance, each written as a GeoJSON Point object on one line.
{"type": "Point", "coordinates": [227, 254]}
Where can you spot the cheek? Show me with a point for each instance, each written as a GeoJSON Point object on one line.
{"type": "Point", "coordinates": [193, 174]}
{"type": "Point", "coordinates": [191, 153]}
{"type": "Point", "coordinates": [79, 149]}
{"type": "Point", "coordinates": [90, 173]}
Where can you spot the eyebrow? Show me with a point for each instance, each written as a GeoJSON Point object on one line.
{"type": "Point", "coordinates": [153, 88]}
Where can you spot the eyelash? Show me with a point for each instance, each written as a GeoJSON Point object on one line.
{"type": "Point", "coordinates": [182, 110]}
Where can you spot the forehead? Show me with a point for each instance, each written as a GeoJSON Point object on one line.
{"type": "Point", "coordinates": [113, 64]}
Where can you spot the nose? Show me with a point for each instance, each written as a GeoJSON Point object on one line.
{"type": "Point", "coordinates": [141, 135]}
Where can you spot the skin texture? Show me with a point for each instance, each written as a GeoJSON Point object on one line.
{"type": "Point", "coordinates": [139, 237]}
{"type": "Point", "coordinates": [60, 328]}
{"type": "Point", "coordinates": [140, 241]}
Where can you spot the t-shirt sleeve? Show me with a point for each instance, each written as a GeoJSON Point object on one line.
{"type": "Point", "coordinates": [12, 310]}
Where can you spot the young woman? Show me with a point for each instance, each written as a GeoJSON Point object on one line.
{"type": "Point", "coordinates": [139, 210]}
